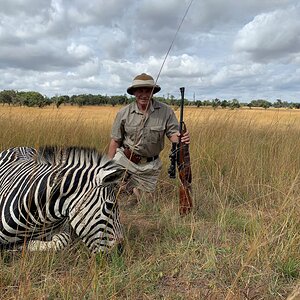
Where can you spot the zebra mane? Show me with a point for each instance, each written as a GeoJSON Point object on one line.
{"type": "Point", "coordinates": [56, 155]}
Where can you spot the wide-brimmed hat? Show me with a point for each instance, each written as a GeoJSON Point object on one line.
{"type": "Point", "coordinates": [143, 80]}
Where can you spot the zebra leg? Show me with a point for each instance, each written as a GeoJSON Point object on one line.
{"type": "Point", "coordinates": [58, 242]}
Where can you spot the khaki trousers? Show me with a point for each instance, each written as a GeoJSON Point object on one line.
{"type": "Point", "coordinates": [142, 176]}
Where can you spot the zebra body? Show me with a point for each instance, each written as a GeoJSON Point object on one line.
{"type": "Point", "coordinates": [43, 190]}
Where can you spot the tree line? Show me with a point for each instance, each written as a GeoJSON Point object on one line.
{"type": "Point", "coordinates": [36, 99]}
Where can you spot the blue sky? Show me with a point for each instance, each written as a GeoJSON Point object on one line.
{"type": "Point", "coordinates": [229, 49]}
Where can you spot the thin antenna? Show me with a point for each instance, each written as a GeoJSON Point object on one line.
{"type": "Point", "coordinates": [174, 38]}
{"type": "Point", "coordinates": [171, 45]}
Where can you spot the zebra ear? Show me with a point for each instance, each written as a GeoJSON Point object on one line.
{"type": "Point", "coordinates": [110, 171]}
{"type": "Point", "coordinates": [113, 176]}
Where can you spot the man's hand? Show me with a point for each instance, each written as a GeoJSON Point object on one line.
{"type": "Point", "coordinates": [185, 137]}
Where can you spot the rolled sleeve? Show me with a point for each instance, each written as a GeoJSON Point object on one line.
{"type": "Point", "coordinates": [172, 125]}
{"type": "Point", "coordinates": [117, 132]}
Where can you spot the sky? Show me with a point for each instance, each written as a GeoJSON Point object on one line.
{"type": "Point", "coordinates": [224, 49]}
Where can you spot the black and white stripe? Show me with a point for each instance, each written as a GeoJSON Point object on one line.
{"type": "Point", "coordinates": [42, 191]}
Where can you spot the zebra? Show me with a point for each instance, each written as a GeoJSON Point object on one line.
{"type": "Point", "coordinates": [45, 190]}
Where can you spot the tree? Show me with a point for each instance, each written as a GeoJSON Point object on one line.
{"type": "Point", "coordinates": [206, 103]}
{"type": "Point", "coordinates": [199, 103]}
{"type": "Point", "coordinates": [79, 100]}
{"type": "Point", "coordinates": [224, 104]}
{"type": "Point", "coordinates": [296, 105]}
{"type": "Point", "coordinates": [59, 100]}
{"type": "Point", "coordinates": [278, 103]}
{"type": "Point", "coordinates": [261, 103]}
{"type": "Point", "coordinates": [234, 103]}
{"type": "Point", "coordinates": [215, 103]}
{"type": "Point", "coordinates": [122, 99]}
{"type": "Point", "coordinates": [7, 97]}
{"type": "Point", "coordinates": [31, 99]}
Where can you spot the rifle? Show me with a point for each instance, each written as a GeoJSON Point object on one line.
{"type": "Point", "coordinates": [180, 155]}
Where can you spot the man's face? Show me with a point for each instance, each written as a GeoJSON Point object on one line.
{"type": "Point", "coordinates": [143, 95]}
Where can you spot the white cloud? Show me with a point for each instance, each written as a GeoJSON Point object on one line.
{"type": "Point", "coordinates": [235, 73]}
{"type": "Point", "coordinates": [186, 66]}
{"type": "Point", "coordinates": [271, 35]}
{"type": "Point", "coordinates": [223, 49]}
{"type": "Point", "coordinates": [96, 12]}
{"type": "Point", "coordinates": [79, 51]}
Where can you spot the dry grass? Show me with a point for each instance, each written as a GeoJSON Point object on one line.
{"type": "Point", "coordinates": [241, 241]}
{"type": "Point", "coordinates": [87, 126]}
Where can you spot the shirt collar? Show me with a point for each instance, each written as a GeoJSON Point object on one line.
{"type": "Point", "coordinates": [153, 105]}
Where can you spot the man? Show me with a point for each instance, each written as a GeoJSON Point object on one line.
{"type": "Point", "coordinates": [138, 132]}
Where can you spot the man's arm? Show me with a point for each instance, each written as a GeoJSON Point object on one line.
{"type": "Point", "coordinates": [112, 149]}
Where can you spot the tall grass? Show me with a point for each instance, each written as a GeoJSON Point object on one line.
{"type": "Point", "coordinates": [87, 126]}
{"type": "Point", "coordinates": [241, 241]}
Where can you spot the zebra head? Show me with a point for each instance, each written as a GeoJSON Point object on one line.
{"type": "Point", "coordinates": [95, 216]}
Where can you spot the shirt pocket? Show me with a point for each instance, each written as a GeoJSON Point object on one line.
{"type": "Point", "coordinates": [130, 132]}
{"type": "Point", "coordinates": [156, 134]}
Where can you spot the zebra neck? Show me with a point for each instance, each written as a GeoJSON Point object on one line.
{"type": "Point", "coordinates": [72, 186]}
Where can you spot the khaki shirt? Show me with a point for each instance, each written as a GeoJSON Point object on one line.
{"type": "Point", "coordinates": [144, 134]}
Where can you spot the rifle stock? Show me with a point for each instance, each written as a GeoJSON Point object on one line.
{"type": "Point", "coordinates": [185, 201]}
{"type": "Point", "coordinates": [185, 176]}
